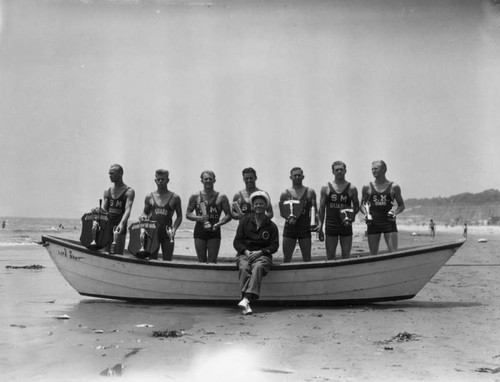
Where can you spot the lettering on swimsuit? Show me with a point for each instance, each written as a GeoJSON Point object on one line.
{"type": "Point", "coordinates": [161, 211]}
{"type": "Point", "coordinates": [382, 201]}
{"type": "Point", "coordinates": [116, 203]}
{"type": "Point", "coordinates": [338, 201]}
{"type": "Point", "coordinates": [213, 213]}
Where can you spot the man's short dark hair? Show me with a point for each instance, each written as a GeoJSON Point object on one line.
{"type": "Point", "coordinates": [161, 172]}
{"type": "Point", "coordinates": [249, 170]}
{"type": "Point", "coordinates": [339, 163]}
{"type": "Point", "coordinates": [208, 172]}
{"type": "Point", "coordinates": [118, 167]}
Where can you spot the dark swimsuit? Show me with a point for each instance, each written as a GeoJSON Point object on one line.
{"type": "Point", "coordinates": [337, 201]}
{"type": "Point", "coordinates": [301, 229]}
{"type": "Point", "coordinates": [381, 204]}
{"type": "Point", "coordinates": [214, 213]}
{"type": "Point", "coordinates": [163, 216]}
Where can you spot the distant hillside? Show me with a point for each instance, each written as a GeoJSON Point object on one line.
{"type": "Point", "coordinates": [480, 208]}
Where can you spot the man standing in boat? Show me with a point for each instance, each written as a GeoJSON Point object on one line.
{"type": "Point", "coordinates": [298, 206]}
{"type": "Point", "coordinates": [241, 200]}
{"type": "Point", "coordinates": [118, 200]}
{"type": "Point", "coordinates": [160, 206]}
{"type": "Point", "coordinates": [381, 202]}
{"type": "Point", "coordinates": [338, 207]}
{"type": "Point", "coordinates": [256, 240]}
{"type": "Point", "coordinates": [205, 208]}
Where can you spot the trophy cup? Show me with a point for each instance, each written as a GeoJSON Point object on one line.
{"type": "Point", "coordinates": [95, 231]}
{"type": "Point", "coordinates": [312, 221]}
{"type": "Point", "coordinates": [290, 203]}
{"type": "Point", "coordinates": [344, 215]}
{"type": "Point", "coordinates": [95, 225]}
{"type": "Point", "coordinates": [391, 215]}
{"type": "Point", "coordinates": [170, 234]}
{"type": "Point", "coordinates": [236, 207]}
{"type": "Point", "coordinates": [203, 207]}
{"type": "Point", "coordinates": [112, 249]}
{"type": "Point", "coordinates": [368, 216]}
{"type": "Point", "coordinates": [143, 237]}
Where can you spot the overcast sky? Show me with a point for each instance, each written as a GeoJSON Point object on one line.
{"type": "Point", "coordinates": [224, 85]}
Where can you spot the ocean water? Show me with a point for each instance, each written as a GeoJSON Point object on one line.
{"type": "Point", "coordinates": [27, 232]}
{"type": "Point", "coordinates": [22, 235]}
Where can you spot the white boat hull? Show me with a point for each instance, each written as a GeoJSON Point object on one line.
{"type": "Point", "coordinates": [392, 276]}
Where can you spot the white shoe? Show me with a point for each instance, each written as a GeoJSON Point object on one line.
{"type": "Point", "coordinates": [243, 304]}
{"type": "Point", "coordinates": [248, 310]}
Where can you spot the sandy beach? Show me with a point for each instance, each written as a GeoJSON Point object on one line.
{"type": "Point", "coordinates": [448, 332]}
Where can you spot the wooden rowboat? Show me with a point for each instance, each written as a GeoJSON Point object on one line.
{"type": "Point", "coordinates": [385, 277]}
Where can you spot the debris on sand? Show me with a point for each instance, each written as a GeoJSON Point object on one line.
{"type": "Point", "coordinates": [404, 337]}
{"type": "Point", "coordinates": [400, 337]}
{"type": "Point", "coordinates": [63, 317]}
{"type": "Point", "coordinates": [132, 352]}
{"type": "Point", "coordinates": [115, 371]}
{"type": "Point", "coordinates": [18, 326]}
{"type": "Point", "coordinates": [168, 333]}
{"type": "Point", "coordinates": [33, 266]}
{"type": "Point", "coordinates": [488, 370]}
{"type": "Point", "coordinates": [482, 240]}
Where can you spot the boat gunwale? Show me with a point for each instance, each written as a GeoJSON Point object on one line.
{"type": "Point", "coordinates": [404, 252]}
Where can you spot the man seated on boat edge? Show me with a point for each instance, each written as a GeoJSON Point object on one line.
{"type": "Point", "coordinates": [256, 240]}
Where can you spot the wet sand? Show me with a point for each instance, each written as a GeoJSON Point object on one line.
{"type": "Point", "coordinates": [451, 328]}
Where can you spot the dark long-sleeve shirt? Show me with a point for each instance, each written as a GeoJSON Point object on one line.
{"type": "Point", "coordinates": [249, 237]}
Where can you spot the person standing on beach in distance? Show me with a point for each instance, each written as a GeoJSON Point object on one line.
{"type": "Point", "coordinates": [205, 209]}
{"type": "Point", "coordinates": [432, 228]}
{"type": "Point", "coordinates": [338, 207]}
{"type": "Point", "coordinates": [117, 201]}
{"type": "Point", "coordinates": [298, 224]}
{"type": "Point", "coordinates": [380, 196]}
{"type": "Point", "coordinates": [242, 198]}
{"type": "Point", "coordinates": [160, 206]}
{"type": "Point", "coordinates": [465, 230]}
{"type": "Point", "coordinates": [256, 239]}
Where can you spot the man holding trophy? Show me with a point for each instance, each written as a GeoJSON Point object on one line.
{"type": "Point", "coordinates": [205, 208]}
{"type": "Point", "coordinates": [338, 207]}
{"type": "Point", "coordinates": [160, 206]}
{"type": "Point", "coordinates": [298, 208]}
{"type": "Point", "coordinates": [118, 200]}
{"type": "Point", "coordinates": [381, 201]}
